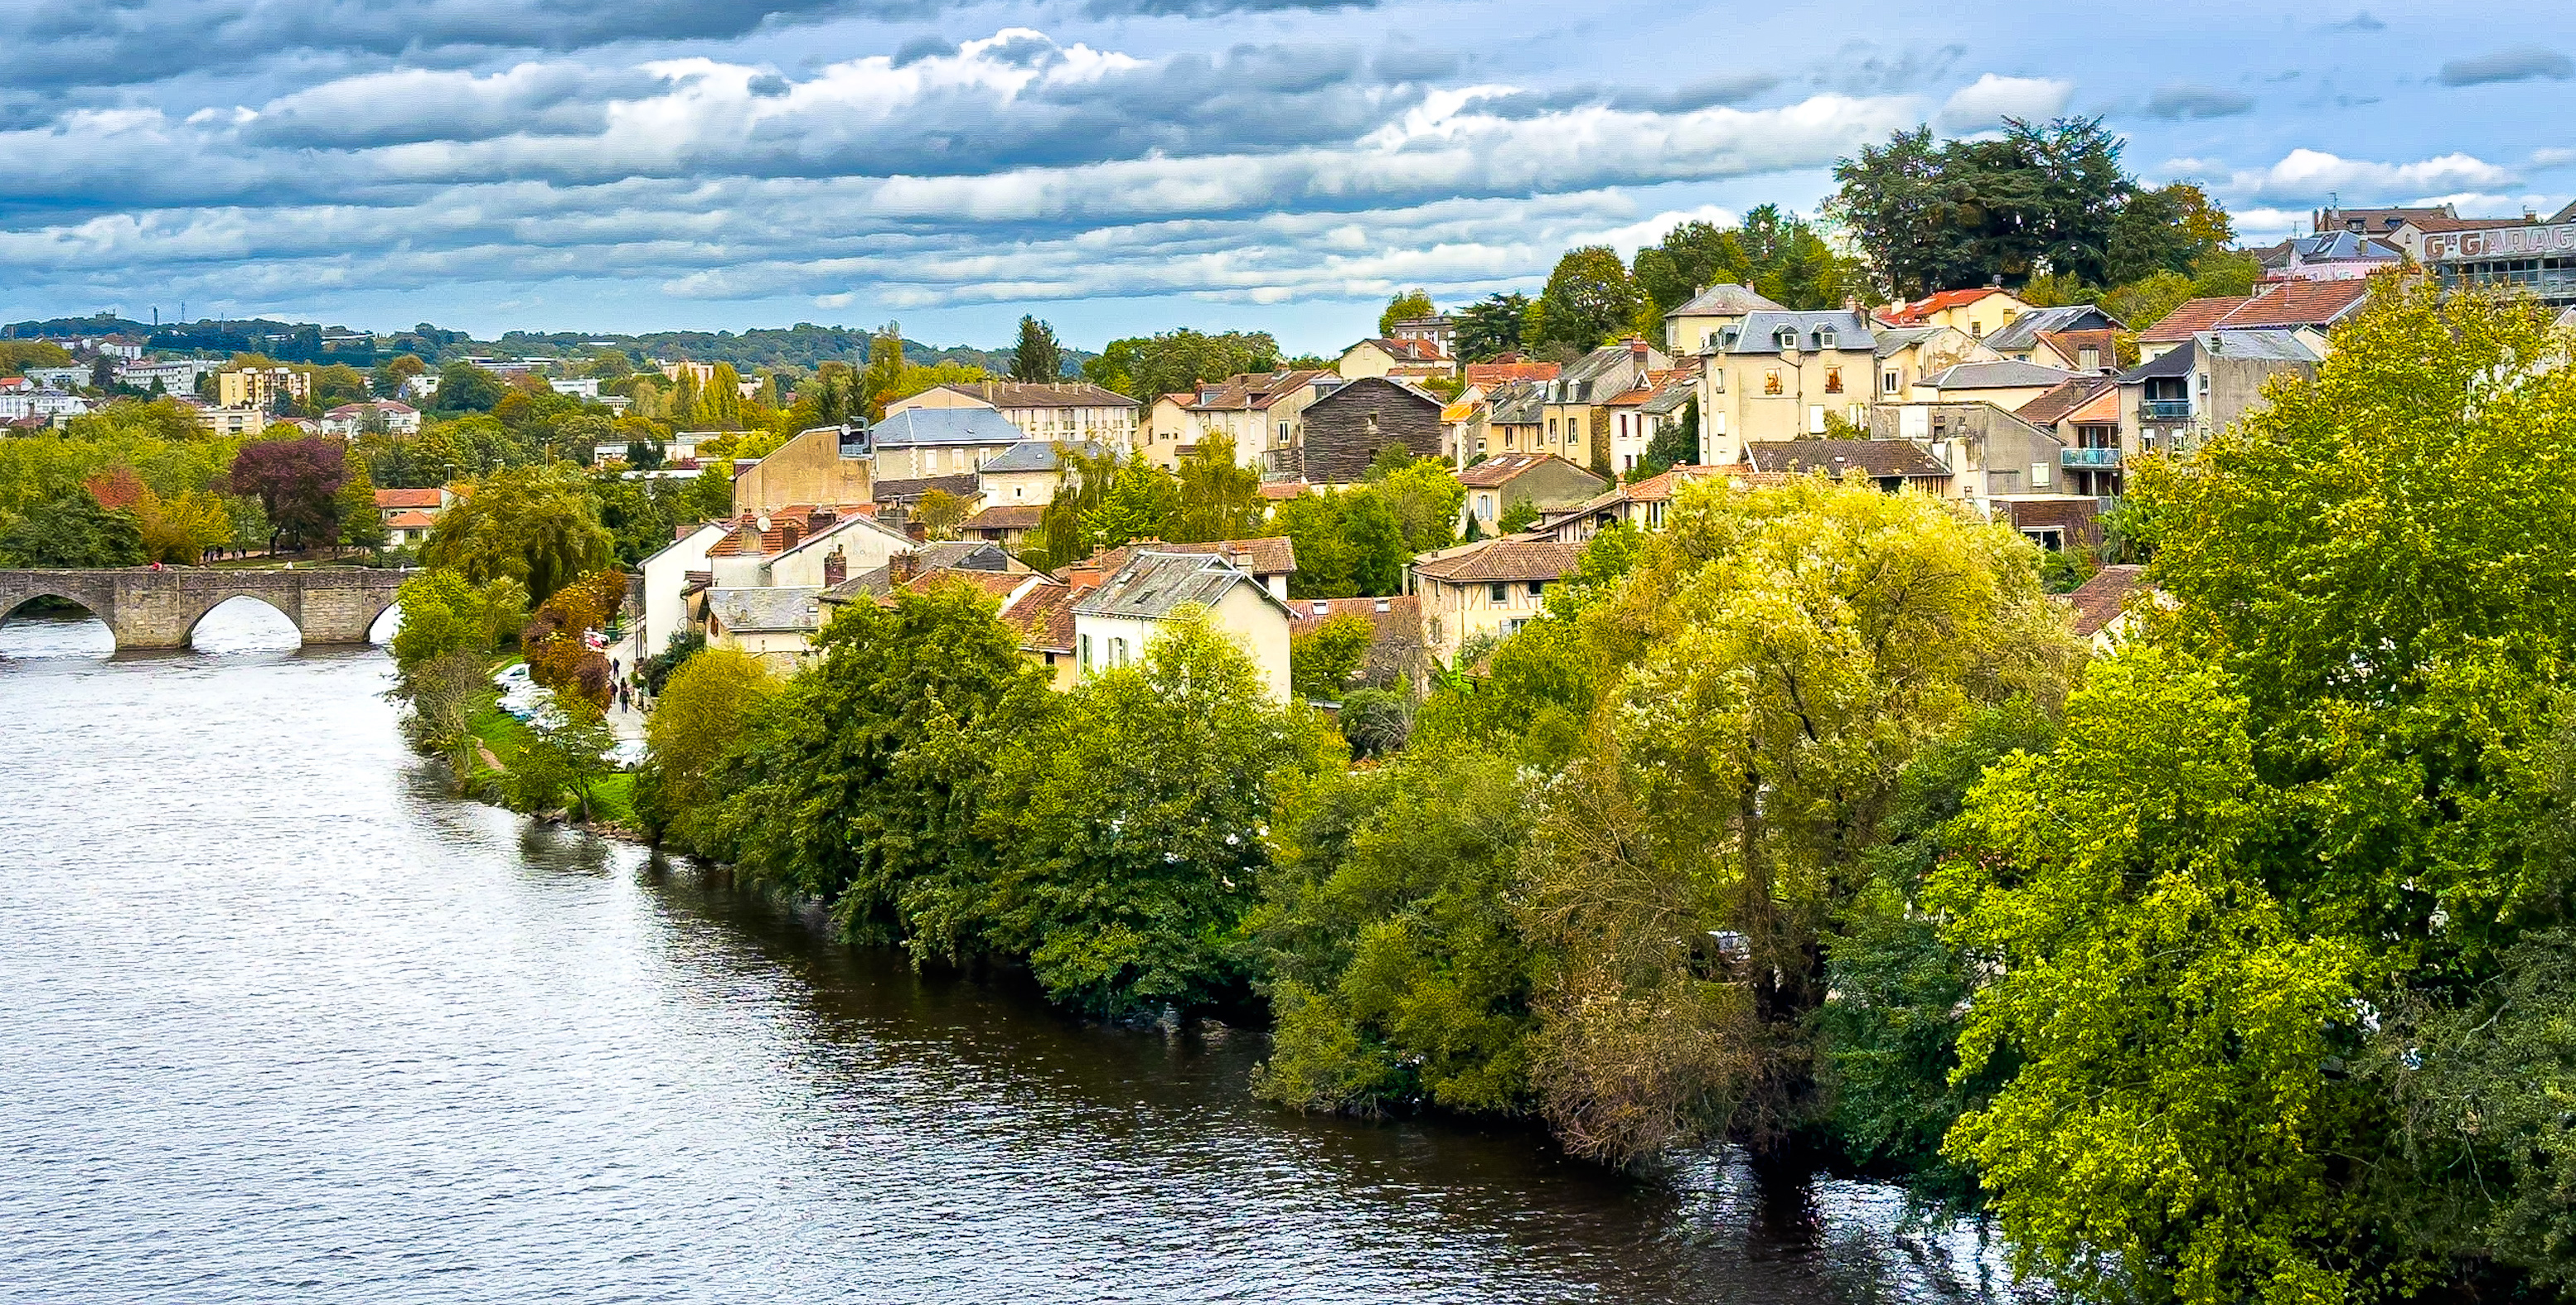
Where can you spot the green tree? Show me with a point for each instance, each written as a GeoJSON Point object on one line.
{"type": "Point", "coordinates": [71, 530]}
{"type": "Point", "coordinates": [1037, 358]}
{"type": "Point", "coordinates": [534, 525]}
{"type": "Point", "coordinates": [882, 382]}
{"type": "Point", "coordinates": [443, 612]}
{"type": "Point", "coordinates": [1425, 498]}
{"type": "Point", "coordinates": [464, 387]}
{"type": "Point", "coordinates": [1396, 969]}
{"type": "Point", "coordinates": [859, 782]}
{"type": "Point", "coordinates": [1129, 843]}
{"type": "Point", "coordinates": [1321, 661]}
{"type": "Point", "coordinates": [1141, 503]}
{"type": "Point", "coordinates": [1404, 306]}
{"type": "Point", "coordinates": [1219, 497]}
{"type": "Point", "coordinates": [564, 759]}
{"type": "Point", "coordinates": [720, 405]}
{"type": "Point", "coordinates": [1491, 326]}
{"type": "Point", "coordinates": [1590, 300]}
{"type": "Point", "coordinates": [1146, 367]}
{"type": "Point", "coordinates": [1690, 258]}
{"type": "Point", "coordinates": [2328, 782]}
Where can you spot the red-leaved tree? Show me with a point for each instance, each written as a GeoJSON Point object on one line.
{"type": "Point", "coordinates": [298, 483]}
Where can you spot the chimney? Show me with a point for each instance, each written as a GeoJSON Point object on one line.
{"type": "Point", "coordinates": [836, 568]}
{"type": "Point", "coordinates": [819, 520]}
{"type": "Point", "coordinates": [788, 535]}
{"type": "Point", "coordinates": [902, 567]}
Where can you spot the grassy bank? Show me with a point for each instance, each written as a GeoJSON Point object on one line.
{"type": "Point", "coordinates": [499, 739]}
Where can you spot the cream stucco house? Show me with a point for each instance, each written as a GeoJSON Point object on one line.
{"type": "Point", "coordinates": [1113, 623]}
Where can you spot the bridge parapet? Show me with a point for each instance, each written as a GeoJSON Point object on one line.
{"type": "Point", "coordinates": [145, 608]}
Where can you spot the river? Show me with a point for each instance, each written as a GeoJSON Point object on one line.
{"type": "Point", "coordinates": [281, 1020]}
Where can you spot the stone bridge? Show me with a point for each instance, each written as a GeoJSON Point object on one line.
{"type": "Point", "coordinates": [145, 608]}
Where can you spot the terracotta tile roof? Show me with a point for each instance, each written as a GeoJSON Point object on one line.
{"type": "Point", "coordinates": [2435, 224]}
{"type": "Point", "coordinates": [1415, 350]}
{"type": "Point", "coordinates": [408, 498]}
{"type": "Point", "coordinates": [2070, 345]}
{"type": "Point", "coordinates": [2103, 409]}
{"type": "Point", "coordinates": [1043, 616]}
{"type": "Point", "coordinates": [2192, 315]}
{"type": "Point", "coordinates": [411, 521]}
{"type": "Point", "coordinates": [2060, 399]}
{"type": "Point", "coordinates": [1503, 559]}
{"type": "Point", "coordinates": [2297, 303]}
{"type": "Point", "coordinates": [1489, 374]}
{"type": "Point", "coordinates": [1868, 457]}
{"type": "Point", "coordinates": [1280, 491]}
{"type": "Point", "coordinates": [1913, 314]}
{"type": "Point", "coordinates": [1247, 391]}
{"type": "Point", "coordinates": [1274, 555]}
{"type": "Point", "coordinates": [1396, 609]}
{"type": "Point", "coordinates": [1008, 516]}
{"type": "Point", "coordinates": [2099, 601]}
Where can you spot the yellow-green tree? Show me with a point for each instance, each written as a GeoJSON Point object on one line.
{"type": "Point", "coordinates": [701, 714]}
{"type": "Point", "coordinates": [1773, 661]}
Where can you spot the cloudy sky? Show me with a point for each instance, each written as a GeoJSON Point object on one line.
{"type": "Point", "coordinates": [1121, 166]}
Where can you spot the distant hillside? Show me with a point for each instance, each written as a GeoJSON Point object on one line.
{"type": "Point", "coordinates": [802, 346]}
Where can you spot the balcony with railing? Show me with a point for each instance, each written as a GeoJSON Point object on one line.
{"type": "Point", "coordinates": [2088, 457]}
{"type": "Point", "coordinates": [2164, 409]}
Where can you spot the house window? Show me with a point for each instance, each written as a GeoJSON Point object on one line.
{"type": "Point", "coordinates": [1833, 380]}
{"type": "Point", "coordinates": [2089, 359]}
{"type": "Point", "coordinates": [1887, 383]}
{"type": "Point", "coordinates": [1771, 381]}
{"type": "Point", "coordinates": [1551, 428]}
{"type": "Point", "coordinates": [1537, 587]}
{"type": "Point", "coordinates": [1825, 338]}
{"type": "Point", "coordinates": [1283, 432]}
{"type": "Point", "coordinates": [1085, 645]}
{"type": "Point", "coordinates": [1117, 652]}
{"type": "Point", "coordinates": [1498, 593]}
{"type": "Point", "coordinates": [1716, 381]}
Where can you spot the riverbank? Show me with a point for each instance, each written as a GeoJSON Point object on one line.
{"type": "Point", "coordinates": [499, 740]}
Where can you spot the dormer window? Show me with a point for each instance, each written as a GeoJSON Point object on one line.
{"type": "Point", "coordinates": [1825, 337]}
{"type": "Point", "coordinates": [1786, 337]}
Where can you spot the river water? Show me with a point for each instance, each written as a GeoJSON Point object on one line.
{"type": "Point", "coordinates": [281, 1020]}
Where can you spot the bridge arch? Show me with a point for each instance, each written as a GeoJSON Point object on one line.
{"type": "Point", "coordinates": [96, 637]}
{"type": "Point", "coordinates": [250, 638]}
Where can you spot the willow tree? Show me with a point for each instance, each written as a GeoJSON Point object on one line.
{"type": "Point", "coordinates": [537, 525]}
{"type": "Point", "coordinates": [1772, 663]}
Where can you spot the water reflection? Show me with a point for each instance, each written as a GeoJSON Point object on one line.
{"type": "Point", "coordinates": [288, 1022]}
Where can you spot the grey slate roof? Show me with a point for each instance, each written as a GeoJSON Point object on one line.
{"type": "Point", "coordinates": [1891, 339]}
{"type": "Point", "coordinates": [1760, 332]}
{"type": "Point", "coordinates": [918, 426]}
{"type": "Point", "coordinates": [2010, 374]}
{"type": "Point", "coordinates": [1867, 457]}
{"type": "Point", "coordinates": [767, 609]}
{"type": "Point", "coordinates": [2271, 346]}
{"type": "Point", "coordinates": [1038, 455]}
{"type": "Point", "coordinates": [1725, 300]}
{"type": "Point", "coordinates": [1151, 586]}
{"type": "Point", "coordinates": [2023, 332]}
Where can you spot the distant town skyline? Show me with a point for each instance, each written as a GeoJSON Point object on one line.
{"type": "Point", "coordinates": [1122, 166]}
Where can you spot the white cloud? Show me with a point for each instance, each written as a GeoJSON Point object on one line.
{"type": "Point", "coordinates": [2313, 176]}
{"type": "Point", "coordinates": [1984, 104]}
